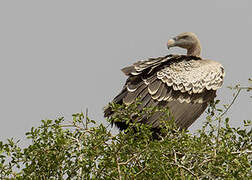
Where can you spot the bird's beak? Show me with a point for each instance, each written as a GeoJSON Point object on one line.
{"type": "Point", "coordinates": [171, 43]}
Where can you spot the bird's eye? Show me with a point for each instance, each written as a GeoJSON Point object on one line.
{"type": "Point", "coordinates": [184, 37]}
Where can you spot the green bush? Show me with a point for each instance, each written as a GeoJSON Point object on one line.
{"type": "Point", "coordinates": [81, 149]}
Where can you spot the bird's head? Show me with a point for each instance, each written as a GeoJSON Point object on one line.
{"type": "Point", "coordinates": [186, 40]}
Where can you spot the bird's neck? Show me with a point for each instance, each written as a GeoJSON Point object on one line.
{"type": "Point", "coordinates": [194, 50]}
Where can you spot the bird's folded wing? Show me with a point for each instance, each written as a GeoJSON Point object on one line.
{"type": "Point", "coordinates": [175, 77]}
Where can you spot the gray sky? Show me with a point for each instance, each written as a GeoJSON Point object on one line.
{"type": "Point", "coordinates": [60, 57]}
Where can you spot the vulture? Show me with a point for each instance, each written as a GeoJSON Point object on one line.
{"type": "Point", "coordinates": [185, 84]}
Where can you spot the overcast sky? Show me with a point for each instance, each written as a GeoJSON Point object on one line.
{"type": "Point", "coordinates": [60, 57]}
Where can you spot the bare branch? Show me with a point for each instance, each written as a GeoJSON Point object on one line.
{"type": "Point", "coordinates": [142, 170]}
{"type": "Point", "coordinates": [229, 106]}
{"type": "Point", "coordinates": [133, 157]}
{"type": "Point", "coordinates": [118, 168]}
{"type": "Point", "coordinates": [242, 152]}
{"type": "Point", "coordinates": [86, 118]}
{"type": "Point", "coordinates": [183, 167]}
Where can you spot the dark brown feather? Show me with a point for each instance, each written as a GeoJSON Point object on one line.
{"type": "Point", "coordinates": [133, 86]}
{"type": "Point", "coordinates": [145, 100]}
{"type": "Point", "coordinates": [155, 118]}
{"type": "Point", "coordinates": [154, 86]}
{"type": "Point", "coordinates": [120, 96]}
{"type": "Point", "coordinates": [131, 96]}
{"type": "Point", "coordinates": [186, 113]}
{"type": "Point", "coordinates": [159, 92]}
{"type": "Point", "coordinates": [128, 70]}
{"type": "Point", "coordinates": [163, 94]}
{"type": "Point", "coordinates": [151, 79]}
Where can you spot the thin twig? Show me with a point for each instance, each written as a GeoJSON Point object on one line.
{"type": "Point", "coordinates": [142, 170]}
{"type": "Point", "coordinates": [183, 167]}
{"type": "Point", "coordinates": [245, 87]}
{"type": "Point", "coordinates": [82, 121]}
{"type": "Point", "coordinates": [175, 156]}
{"type": "Point", "coordinates": [229, 106]}
{"type": "Point", "coordinates": [133, 157]}
{"type": "Point", "coordinates": [74, 125]}
{"type": "Point", "coordinates": [164, 170]}
{"type": "Point", "coordinates": [118, 168]}
{"type": "Point", "coordinates": [87, 121]}
{"type": "Point", "coordinates": [205, 161]}
{"type": "Point", "coordinates": [219, 118]}
{"type": "Point", "coordinates": [238, 92]}
{"type": "Point", "coordinates": [241, 152]}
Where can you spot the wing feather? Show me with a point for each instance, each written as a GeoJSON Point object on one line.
{"type": "Point", "coordinates": [159, 92]}
{"type": "Point", "coordinates": [131, 96]}
{"type": "Point", "coordinates": [154, 86]}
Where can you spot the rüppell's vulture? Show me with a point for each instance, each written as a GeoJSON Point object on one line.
{"type": "Point", "coordinates": [183, 83]}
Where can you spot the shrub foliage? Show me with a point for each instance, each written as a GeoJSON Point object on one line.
{"type": "Point", "coordinates": [82, 149]}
